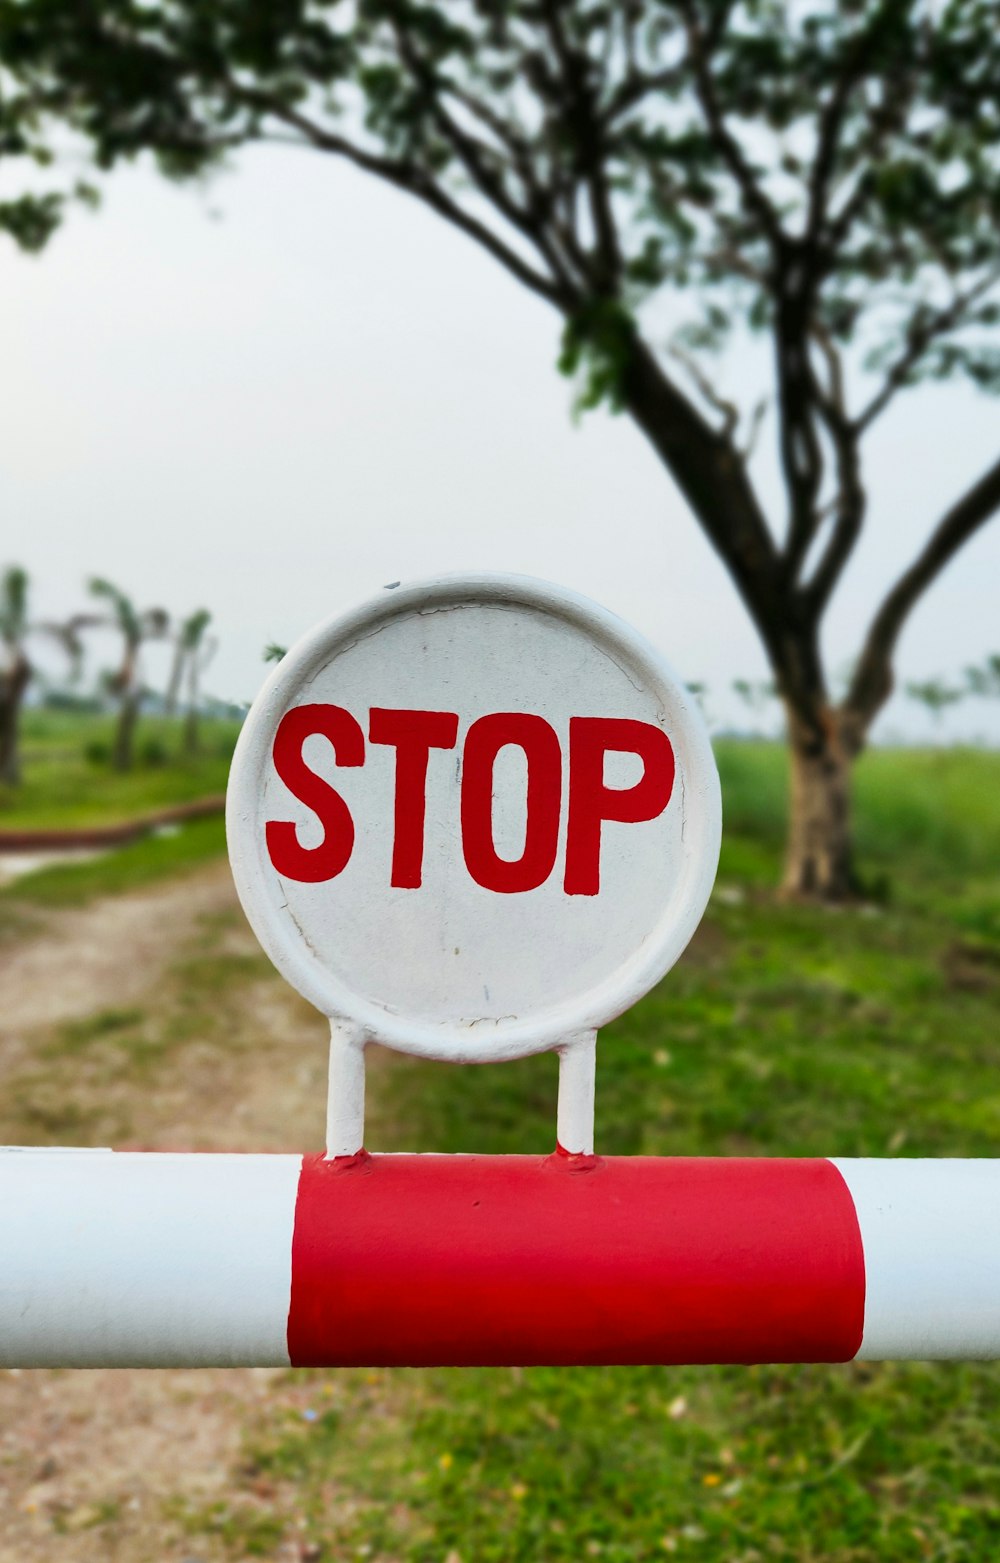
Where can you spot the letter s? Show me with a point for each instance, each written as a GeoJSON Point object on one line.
{"type": "Point", "coordinates": [310, 865]}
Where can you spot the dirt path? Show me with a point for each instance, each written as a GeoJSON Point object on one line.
{"type": "Point", "coordinates": [151, 1013]}
{"type": "Point", "coordinates": [110, 951]}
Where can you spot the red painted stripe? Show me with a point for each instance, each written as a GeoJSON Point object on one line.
{"type": "Point", "coordinates": [515, 1259]}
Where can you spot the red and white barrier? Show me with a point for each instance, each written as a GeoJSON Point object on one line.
{"type": "Point", "coordinates": [112, 1258]}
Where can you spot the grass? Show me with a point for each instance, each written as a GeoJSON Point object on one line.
{"type": "Point", "coordinates": [62, 787]}
{"type": "Point", "coordinates": [176, 850]}
{"type": "Point", "coordinates": [791, 1030]}
{"type": "Point", "coordinates": [730, 1465]}
{"type": "Point", "coordinates": [927, 827]}
{"type": "Point", "coordinates": [868, 1031]}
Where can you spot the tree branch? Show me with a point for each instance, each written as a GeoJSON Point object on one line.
{"type": "Point", "coordinates": [589, 132]}
{"type": "Point", "coordinates": [542, 199]}
{"type": "Point", "coordinates": [474, 155]}
{"type": "Point", "coordinates": [709, 472]}
{"type": "Point", "coordinates": [756, 419]}
{"type": "Point", "coordinates": [920, 335]}
{"type": "Point", "coordinates": [830, 122]}
{"type": "Point", "coordinates": [849, 504]}
{"type": "Point", "coordinates": [883, 118]}
{"type": "Point", "coordinates": [402, 174]}
{"type": "Point", "coordinates": [799, 444]}
{"type": "Point", "coordinates": [636, 86]}
{"type": "Point", "coordinates": [872, 681]}
{"type": "Point", "coordinates": [729, 149]}
{"type": "Point", "coordinates": [728, 410]}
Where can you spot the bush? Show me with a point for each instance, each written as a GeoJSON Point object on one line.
{"type": "Point", "coordinates": [97, 751]}
{"type": "Point", "coordinates": [154, 752]}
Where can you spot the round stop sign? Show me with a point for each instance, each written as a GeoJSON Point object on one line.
{"type": "Point", "coordinates": [473, 817]}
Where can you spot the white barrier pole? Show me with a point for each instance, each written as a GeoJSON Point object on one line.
{"type": "Point", "coordinates": [114, 1258]}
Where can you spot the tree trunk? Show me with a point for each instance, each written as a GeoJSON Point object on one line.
{"type": "Point", "coordinates": [125, 731]}
{"type": "Point", "coordinates": [174, 686]}
{"type": "Point", "coordinates": [13, 684]}
{"type": "Point", "coordinates": [819, 861]}
{"type": "Point", "coordinates": [191, 721]}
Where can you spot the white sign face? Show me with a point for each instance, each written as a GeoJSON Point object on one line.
{"type": "Point", "coordinates": [473, 817]}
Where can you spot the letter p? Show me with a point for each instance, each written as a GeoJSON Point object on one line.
{"type": "Point", "coordinates": [591, 802]}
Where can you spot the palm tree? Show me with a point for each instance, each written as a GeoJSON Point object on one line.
{"type": "Point", "coordinates": [935, 696]}
{"type": "Point", "coordinates": [126, 684]}
{"type": "Point", "coordinates": [197, 653]}
{"type": "Point", "coordinates": [16, 670]}
{"type": "Point", "coordinates": [985, 681]}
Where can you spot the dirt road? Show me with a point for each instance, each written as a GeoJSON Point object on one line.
{"type": "Point", "coordinates": [150, 1019]}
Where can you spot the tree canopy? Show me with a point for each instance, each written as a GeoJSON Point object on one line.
{"type": "Point", "coordinates": [30, 217]}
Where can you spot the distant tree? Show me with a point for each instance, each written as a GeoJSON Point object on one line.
{"type": "Point", "coordinates": [935, 696]}
{"type": "Point", "coordinates": [825, 175]}
{"type": "Point", "coordinates": [126, 683]}
{"type": "Point", "coordinates": [197, 652]}
{"type": "Point", "coordinates": [16, 670]}
{"type": "Point", "coordinates": [173, 693]}
{"type": "Point", "coordinates": [756, 694]}
{"type": "Point", "coordinates": [274, 653]}
{"type": "Point", "coordinates": [186, 638]}
{"type": "Point", "coordinates": [984, 681]}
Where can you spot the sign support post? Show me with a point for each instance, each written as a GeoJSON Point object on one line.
{"type": "Point", "coordinates": [345, 1103]}
{"type": "Point", "coordinates": [577, 1084]}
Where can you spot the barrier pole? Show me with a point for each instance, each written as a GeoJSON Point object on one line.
{"type": "Point", "coordinates": [149, 1259]}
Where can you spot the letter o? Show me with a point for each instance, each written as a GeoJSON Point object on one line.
{"type": "Point", "coordinates": [485, 738]}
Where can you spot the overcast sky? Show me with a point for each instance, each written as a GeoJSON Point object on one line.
{"type": "Point", "coordinates": [273, 395]}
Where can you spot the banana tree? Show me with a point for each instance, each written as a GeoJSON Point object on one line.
{"type": "Point", "coordinates": [125, 683]}
{"type": "Point", "coordinates": [16, 670]}
{"type": "Point", "coordinates": [196, 652]}
{"type": "Point", "coordinates": [187, 638]}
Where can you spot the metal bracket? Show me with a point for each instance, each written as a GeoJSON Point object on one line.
{"type": "Point", "coordinates": [345, 1110]}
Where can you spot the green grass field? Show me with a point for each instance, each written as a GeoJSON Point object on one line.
{"type": "Point", "coordinates": [64, 786]}
{"type": "Point", "coordinates": [871, 1030]}
{"type": "Point", "coordinates": [925, 818]}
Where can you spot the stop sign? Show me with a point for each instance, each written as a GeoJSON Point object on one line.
{"type": "Point", "coordinates": [473, 817]}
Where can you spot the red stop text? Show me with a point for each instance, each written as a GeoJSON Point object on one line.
{"type": "Point", "coordinates": [416, 735]}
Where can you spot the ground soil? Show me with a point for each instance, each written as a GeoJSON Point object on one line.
{"type": "Point", "coordinates": [98, 1465]}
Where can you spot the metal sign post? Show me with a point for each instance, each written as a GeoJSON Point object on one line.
{"type": "Point", "coordinates": [473, 820]}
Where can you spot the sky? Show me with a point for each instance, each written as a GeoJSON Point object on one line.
{"type": "Point", "coordinates": [275, 393]}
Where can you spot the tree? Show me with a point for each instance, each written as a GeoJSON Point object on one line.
{"type": "Point", "coordinates": [935, 696]}
{"type": "Point", "coordinates": [16, 670]}
{"type": "Point", "coordinates": [187, 637]}
{"type": "Point", "coordinates": [755, 694]}
{"type": "Point", "coordinates": [126, 683]}
{"type": "Point", "coordinates": [194, 653]}
{"type": "Point", "coordinates": [826, 176]}
{"type": "Point", "coordinates": [984, 681]}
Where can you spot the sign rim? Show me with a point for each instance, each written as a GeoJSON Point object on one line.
{"type": "Point", "coordinates": [449, 1040]}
